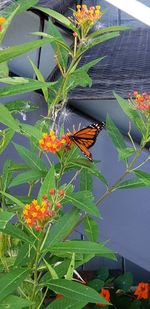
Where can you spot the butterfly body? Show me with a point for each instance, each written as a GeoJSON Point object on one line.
{"type": "Point", "coordinates": [86, 138]}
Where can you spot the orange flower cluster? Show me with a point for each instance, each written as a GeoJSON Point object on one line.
{"type": "Point", "coordinates": [106, 294]}
{"type": "Point", "coordinates": [37, 216]}
{"type": "Point", "coordinates": [142, 291]}
{"type": "Point", "coordinates": [51, 143]}
{"type": "Point", "coordinates": [141, 101]}
{"type": "Point", "coordinates": [2, 21]}
{"type": "Point", "coordinates": [86, 15]}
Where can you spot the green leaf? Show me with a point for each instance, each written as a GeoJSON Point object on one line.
{"type": "Point", "coordinates": [18, 106]}
{"type": "Point", "coordinates": [13, 199]}
{"type": "Point", "coordinates": [62, 228]}
{"type": "Point", "coordinates": [115, 135]}
{"type": "Point", "coordinates": [15, 302]}
{"type": "Point", "coordinates": [26, 177]}
{"type": "Point", "coordinates": [48, 183]}
{"type": "Point", "coordinates": [40, 78]}
{"type": "Point", "coordinates": [124, 154]}
{"type": "Point", "coordinates": [69, 274]}
{"type": "Point", "coordinates": [59, 50]}
{"type": "Point", "coordinates": [5, 217]}
{"type": "Point", "coordinates": [134, 115]}
{"type": "Point", "coordinates": [25, 5]}
{"type": "Point", "coordinates": [123, 282]}
{"type": "Point", "coordinates": [51, 270]}
{"type": "Point", "coordinates": [103, 273]}
{"type": "Point", "coordinates": [6, 136]}
{"type": "Point", "coordinates": [75, 291]}
{"type": "Point", "coordinates": [10, 281]}
{"type": "Point", "coordinates": [91, 229]}
{"type": "Point", "coordinates": [7, 119]}
{"type": "Point", "coordinates": [7, 23]}
{"type": "Point", "coordinates": [108, 29]}
{"type": "Point", "coordinates": [17, 50]}
{"type": "Point", "coordinates": [67, 304]}
{"type": "Point", "coordinates": [134, 182]}
{"type": "Point", "coordinates": [27, 85]}
{"type": "Point", "coordinates": [86, 182]}
{"type": "Point", "coordinates": [84, 201]}
{"type": "Point", "coordinates": [83, 163]}
{"type": "Point", "coordinates": [144, 177]}
{"type": "Point", "coordinates": [31, 131]}
{"type": "Point", "coordinates": [96, 284]}
{"type": "Point", "coordinates": [30, 158]}
{"type": "Point", "coordinates": [82, 247]}
{"type": "Point", "coordinates": [16, 232]}
{"type": "Point", "coordinates": [100, 39]}
{"type": "Point", "coordinates": [61, 18]}
{"type": "Point", "coordinates": [80, 77]}
{"type": "Point", "coordinates": [4, 71]}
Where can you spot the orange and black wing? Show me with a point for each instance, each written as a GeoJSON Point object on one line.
{"type": "Point", "coordinates": [86, 138]}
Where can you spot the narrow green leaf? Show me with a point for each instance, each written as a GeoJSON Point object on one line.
{"type": "Point", "coordinates": [5, 217]}
{"type": "Point", "coordinates": [108, 29]}
{"type": "Point", "coordinates": [7, 119]}
{"type": "Point", "coordinates": [8, 22]}
{"type": "Point", "coordinates": [80, 77]}
{"type": "Point", "coordinates": [100, 39]}
{"type": "Point", "coordinates": [67, 304]}
{"type": "Point", "coordinates": [124, 154]}
{"type": "Point", "coordinates": [75, 291]}
{"type": "Point", "coordinates": [17, 50]}
{"type": "Point", "coordinates": [25, 5]}
{"type": "Point", "coordinates": [59, 50]}
{"type": "Point", "coordinates": [133, 114]}
{"type": "Point", "coordinates": [10, 281]}
{"type": "Point", "coordinates": [26, 177]}
{"type": "Point", "coordinates": [61, 18]}
{"type": "Point", "coordinates": [115, 135]}
{"type": "Point", "coordinates": [27, 86]}
{"type": "Point", "coordinates": [13, 199]}
{"type": "Point", "coordinates": [15, 302]}
{"type": "Point", "coordinates": [143, 176]}
{"type": "Point", "coordinates": [84, 201]}
{"type": "Point", "coordinates": [48, 183]}
{"type": "Point", "coordinates": [91, 229]}
{"type": "Point", "coordinates": [51, 270]}
{"type": "Point", "coordinates": [86, 182]}
{"type": "Point", "coordinates": [134, 182]}
{"type": "Point", "coordinates": [4, 70]}
{"type": "Point", "coordinates": [69, 274]}
{"type": "Point", "coordinates": [82, 247]}
{"type": "Point", "coordinates": [83, 163]}
{"type": "Point", "coordinates": [17, 106]}
{"type": "Point", "coordinates": [40, 78]}
{"type": "Point", "coordinates": [31, 131]}
{"type": "Point", "coordinates": [16, 232]}
{"type": "Point", "coordinates": [62, 228]}
{"type": "Point", "coordinates": [6, 136]}
{"type": "Point", "coordinates": [30, 158]}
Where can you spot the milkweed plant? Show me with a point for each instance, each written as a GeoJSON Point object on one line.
{"type": "Point", "coordinates": [39, 255]}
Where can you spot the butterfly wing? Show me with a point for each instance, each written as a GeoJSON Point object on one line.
{"type": "Point", "coordinates": [86, 138]}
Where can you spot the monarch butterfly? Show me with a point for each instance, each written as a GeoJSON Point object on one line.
{"type": "Point", "coordinates": [86, 138]}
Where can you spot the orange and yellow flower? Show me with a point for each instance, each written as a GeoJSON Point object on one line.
{"type": "Point", "coordinates": [106, 294]}
{"type": "Point", "coordinates": [2, 21]}
{"type": "Point", "coordinates": [87, 16]}
{"type": "Point", "coordinates": [36, 215]}
{"type": "Point", "coordinates": [142, 291]}
{"type": "Point", "coordinates": [141, 101]}
{"type": "Point", "coordinates": [51, 143]}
